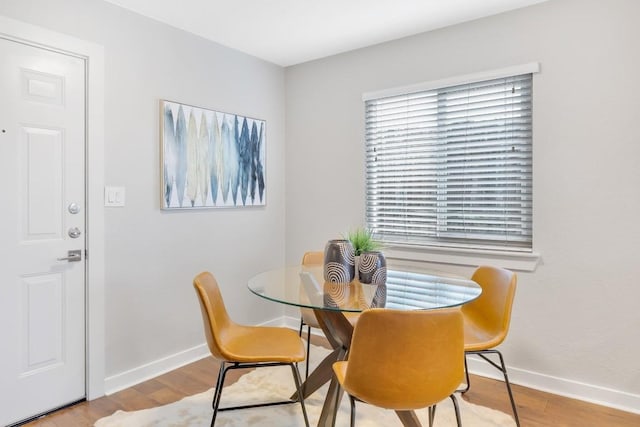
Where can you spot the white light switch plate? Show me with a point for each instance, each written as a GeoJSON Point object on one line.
{"type": "Point", "coordinates": [114, 196]}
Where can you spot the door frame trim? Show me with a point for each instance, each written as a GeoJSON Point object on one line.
{"type": "Point", "coordinates": [93, 55]}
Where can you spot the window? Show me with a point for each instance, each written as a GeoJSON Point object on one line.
{"type": "Point", "coordinates": [452, 165]}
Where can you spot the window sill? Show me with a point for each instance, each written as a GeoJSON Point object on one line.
{"type": "Point", "coordinates": [522, 261]}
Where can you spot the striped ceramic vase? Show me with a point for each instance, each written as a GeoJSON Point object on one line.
{"type": "Point", "coordinates": [339, 266]}
{"type": "Point", "coordinates": [373, 268]}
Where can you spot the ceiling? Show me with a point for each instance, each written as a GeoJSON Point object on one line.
{"type": "Point", "coordinates": [288, 32]}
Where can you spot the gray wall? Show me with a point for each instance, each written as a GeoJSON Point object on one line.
{"type": "Point", "coordinates": [575, 317]}
{"type": "Point", "coordinates": [152, 256]}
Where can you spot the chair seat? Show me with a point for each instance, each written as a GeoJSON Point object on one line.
{"type": "Point", "coordinates": [309, 317]}
{"type": "Point", "coordinates": [352, 318]}
{"type": "Point", "coordinates": [340, 369]}
{"type": "Point", "coordinates": [252, 344]}
{"type": "Point", "coordinates": [477, 338]}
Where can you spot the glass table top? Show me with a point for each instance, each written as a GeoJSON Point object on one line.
{"type": "Point", "coordinates": [304, 286]}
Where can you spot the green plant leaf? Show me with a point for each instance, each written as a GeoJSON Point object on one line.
{"type": "Point", "coordinates": [362, 240]}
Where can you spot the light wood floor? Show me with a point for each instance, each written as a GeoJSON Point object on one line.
{"type": "Point", "coordinates": [535, 408]}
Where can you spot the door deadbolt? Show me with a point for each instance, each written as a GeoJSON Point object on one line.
{"type": "Point", "coordinates": [73, 208]}
{"type": "Point", "coordinates": [74, 232]}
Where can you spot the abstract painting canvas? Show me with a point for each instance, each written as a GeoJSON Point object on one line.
{"type": "Point", "coordinates": [210, 159]}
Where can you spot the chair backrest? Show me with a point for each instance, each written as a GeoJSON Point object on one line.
{"type": "Point", "coordinates": [406, 360]}
{"type": "Point", "coordinates": [313, 258]}
{"type": "Point", "coordinates": [491, 311]}
{"type": "Point", "coordinates": [214, 313]}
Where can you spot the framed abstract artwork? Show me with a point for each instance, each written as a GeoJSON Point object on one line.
{"type": "Point", "coordinates": [210, 159]}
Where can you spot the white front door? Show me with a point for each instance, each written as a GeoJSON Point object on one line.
{"type": "Point", "coordinates": [42, 218]}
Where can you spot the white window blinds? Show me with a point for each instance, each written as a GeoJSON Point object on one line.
{"type": "Point", "coordinates": [452, 166]}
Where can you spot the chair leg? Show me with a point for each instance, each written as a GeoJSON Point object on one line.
{"type": "Point", "coordinates": [296, 379]}
{"type": "Point", "coordinates": [226, 366]}
{"type": "Point", "coordinates": [218, 392]}
{"type": "Point", "coordinates": [506, 380]}
{"type": "Point", "coordinates": [466, 376]}
{"type": "Point", "coordinates": [306, 370]}
{"type": "Point", "coordinates": [432, 415]}
{"type": "Point", "coordinates": [352, 419]}
{"type": "Point", "coordinates": [457, 409]}
{"type": "Point", "coordinates": [502, 368]}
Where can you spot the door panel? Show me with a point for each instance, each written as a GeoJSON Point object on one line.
{"type": "Point", "coordinates": [42, 192]}
{"type": "Point", "coordinates": [42, 87]}
{"type": "Point", "coordinates": [42, 298]}
{"type": "Point", "coordinates": [42, 323]}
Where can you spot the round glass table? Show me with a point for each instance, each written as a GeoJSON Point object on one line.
{"type": "Point", "coordinates": [304, 286]}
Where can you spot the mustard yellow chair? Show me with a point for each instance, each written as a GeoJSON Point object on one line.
{"type": "Point", "coordinates": [404, 360]}
{"type": "Point", "coordinates": [487, 318]}
{"type": "Point", "coordinates": [238, 346]}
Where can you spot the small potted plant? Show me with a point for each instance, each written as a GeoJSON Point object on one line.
{"type": "Point", "coordinates": [370, 265]}
{"type": "Point", "coordinates": [362, 241]}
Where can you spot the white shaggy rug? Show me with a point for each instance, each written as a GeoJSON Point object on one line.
{"type": "Point", "coordinates": [276, 383]}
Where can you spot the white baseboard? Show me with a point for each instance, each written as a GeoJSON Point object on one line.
{"type": "Point", "coordinates": [153, 369]}
{"type": "Point", "coordinates": [561, 386]}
